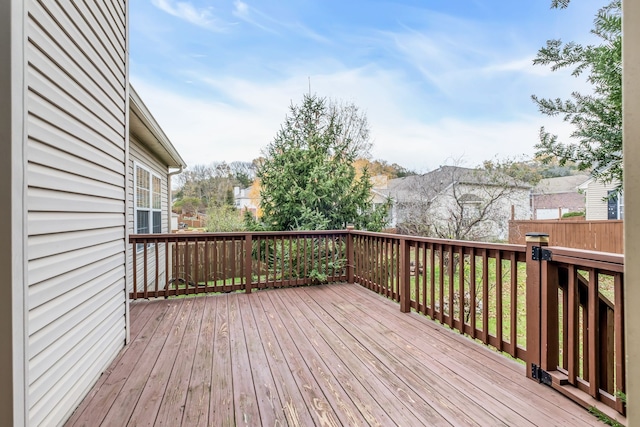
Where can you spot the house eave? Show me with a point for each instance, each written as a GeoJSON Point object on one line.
{"type": "Point", "coordinates": [144, 127]}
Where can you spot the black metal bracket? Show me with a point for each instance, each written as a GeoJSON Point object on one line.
{"type": "Point", "coordinates": [537, 373]}
{"type": "Point", "coordinates": [540, 254]}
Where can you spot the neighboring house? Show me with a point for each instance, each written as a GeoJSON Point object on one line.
{"type": "Point", "coordinates": [602, 200]}
{"type": "Point", "coordinates": [243, 200]}
{"type": "Point", "coordinates": [69, 176]}
{"type": "Point", "coordinates": [554, 197]}
{"type": "Point", "coordinates": [455, 202]}
{"type": "Point", "coordinates": [247, 199]}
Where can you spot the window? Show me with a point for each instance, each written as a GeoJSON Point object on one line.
{"type": "Point", "coordinates": [148, 201]}
{"type": "Point", "coordinates": [621, 205]}
{"type": "Point", "coordinates": [615, 205]}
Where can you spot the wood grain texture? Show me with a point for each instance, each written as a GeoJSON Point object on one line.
{"type": "Point", "coordinates": [317, 355]}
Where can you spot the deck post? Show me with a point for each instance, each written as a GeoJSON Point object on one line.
{"type": "Point", "coordinates": [350, 255]}
{"type": "Point", "coordinates": [405, 276]}
{"type": "Point", "coordinates": [248, 248]}
{"type": "Point", "coordinates": [534, 300]}
{"type": "Point", "coordinates": [549, 345]}
{"type": "Point", "coordinates": [631, 149]}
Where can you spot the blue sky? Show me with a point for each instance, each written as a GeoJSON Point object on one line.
{"type": "Point", "coordinates": [438, 79]}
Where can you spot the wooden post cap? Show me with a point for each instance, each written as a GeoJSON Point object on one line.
{"type": "Point", "coordinates": [537, 238]}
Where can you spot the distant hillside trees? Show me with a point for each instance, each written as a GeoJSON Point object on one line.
{"type": "Point", "coordinates": [308, 178]}
{"type": "Point", "coordinates": [382, 167]}
{"type": "Point", "coordinates": [203, 186]}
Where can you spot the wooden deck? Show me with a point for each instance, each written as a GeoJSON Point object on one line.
{"type": "Point", "coordinates": [323, 355]}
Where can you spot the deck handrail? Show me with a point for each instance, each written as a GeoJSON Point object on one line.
{"type": "Point", "coordinates": [191, 263]}
{"type": "Point", "coordinates": [433, 277]}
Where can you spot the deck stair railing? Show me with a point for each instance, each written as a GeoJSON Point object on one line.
{"type": "Point", "coordinates": [559, 310]}
{"type": "Point", "coordinates": [575, 322]}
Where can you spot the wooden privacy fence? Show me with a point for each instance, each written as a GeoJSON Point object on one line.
{"type": "Point", "coordinates": [560, 310]}
{"type": "Point", "coordinates": [603, 236]}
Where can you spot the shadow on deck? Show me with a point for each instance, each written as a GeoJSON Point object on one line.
{"type": "Point", "coordinates": [323, 355]}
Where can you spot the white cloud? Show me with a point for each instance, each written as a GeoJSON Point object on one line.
{"type": "Point", "coordinates": [248, 14]}
{"type": "Point", "coordinates": [405, 129]}
{"type": "Point", "coordinates": [241, 9]}
{"type": "Point", "coordinates": [523, 65]}
{"type": "Point", "coordinates": [202, 17]}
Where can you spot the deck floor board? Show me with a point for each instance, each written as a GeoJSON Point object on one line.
{"type": "Point", "coordinates": [325, 355]}
{"type": "Point", "coordinates": [454, 350]}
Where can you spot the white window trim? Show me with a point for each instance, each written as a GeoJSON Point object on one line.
{"type": "Point", "coordinates": [151, 209]}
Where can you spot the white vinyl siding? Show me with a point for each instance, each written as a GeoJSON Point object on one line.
{"type": "Point", "coordinates": [551, 213]}
{"type": "Point", "coordinates": [595, 200]}
{"type": "Point", "coordinates": [76, 103]}
{"type": "Point", "coordinates": [141, 157]}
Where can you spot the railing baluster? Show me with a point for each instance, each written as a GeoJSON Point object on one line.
{"type": "Point", "coordinates": [472, 291]}
{"type": "Point", "coordinates": [461, 288]}
{"type": "Point", "coordinates": [550, 320]}
{"type": "Point", "coordinates": [485, 296]}
{"type": "Point", "coordinates": [416, 274]}
{"type": "Point", "coordinates": [499, 301]}
{"type": "Point", "coordinates": [606, 381]}
{"type": "Point", "coordinates": [167, 254]}
{"type": "Point", "coordinates": [206, 261]}
{"type": "Point", "coordinates": [441, 283]}
{"type": "Point", "coordinates": [425, 287]}
{"type": "Point", "coordinates": [145, 274]}
{"type": "Point", "coordinates": [593, 347]}
{"type": "Point", "coordinates": [391, 261]}
{"type": "Point", "coordinates": [513, 309]}
{"type": "Point", "coordinates": [196, 267]}
{"type": "Point", "coordinates": [573, 327]}
{"type": "Point", "coordinates": [432, 280]}
{"type": "Point", "coordinates": [248, 248]}
{"type": "Point", "coordinates": [619, 351]}
{"type": "Point", "coordinates": [565, 326]}
{"type": "Point", "coordinates": [233, 247]}
{"type": "Point", "coordinates": [404, 288]}
{"type": "Point", "coordinates": [157, 269]}
{"type": "Point", "coordinates": [135, 269]}
{"type": "Point", "coordinates": [450, 293]}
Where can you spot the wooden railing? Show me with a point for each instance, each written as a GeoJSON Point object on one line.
{"type": "Point", "coordinates": [475, 288]}
{"type": "Point", "coordinates": [179, 264]}
{"type": "Point", "coordinates": [557, 309]}
{"type": "Point", "coordinates": [581, 332]}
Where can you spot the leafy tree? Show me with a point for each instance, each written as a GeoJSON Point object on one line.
{"type": "Point", "coordinates": [224, 218]}
{"type": "Point", "coordinates": [597, 117]}
{"type": "Point", "coordinates": [213, 184]}
{"type": "Point", "coordinates": [307, 177]}
{"type": "Point", "coordinates": [188, 205]}
{"type": "Point", "coordinates": [243, 173]}
{"type": "Point", "coordinates": [529, 172]}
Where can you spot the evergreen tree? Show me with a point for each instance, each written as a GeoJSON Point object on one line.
{"type": "Point", "coordinates": [308, 178]}
{"type": "Point", "coordinates": [597, 117]}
